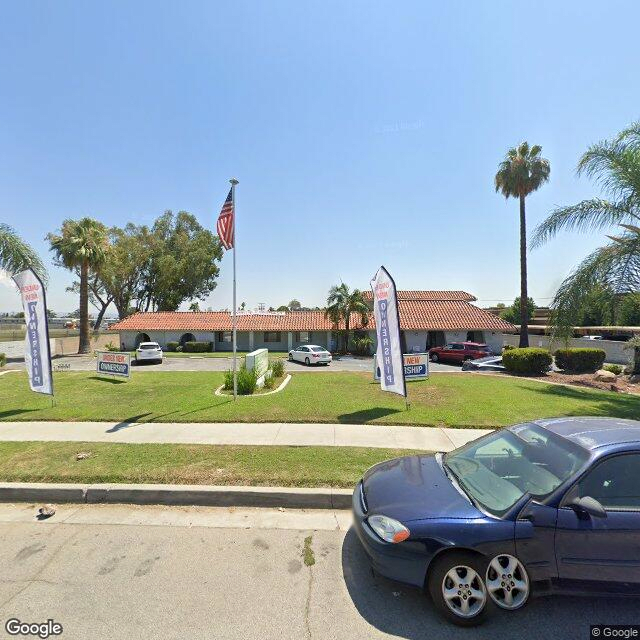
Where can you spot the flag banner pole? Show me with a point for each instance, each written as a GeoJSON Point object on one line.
{"type": "Point", "coordinates": [389, 350]}
{"type": "Point", "coordinates": [37, 350]}
{"type": "Point", "coordinates": [234, 182]}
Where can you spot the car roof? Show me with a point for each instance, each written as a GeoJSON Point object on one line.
{"type": "Point", "coordinates": [317, 346]}
{"type": "Point", "coordinates": [148, 343]}
{"type": "Point", "coordinates": [472, 344]}
{"type": "Point", "coordinates": [592, 433]}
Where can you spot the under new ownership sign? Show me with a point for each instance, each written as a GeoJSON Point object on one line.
{"type": "Point", "coordinates": [416, 366]}
{"type": "Point", "coordinates": [114, 364]}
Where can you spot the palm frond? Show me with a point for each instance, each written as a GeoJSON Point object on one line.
{"type": "Point", "coordinates": [588, 215]}
{"type": "Point", "coordinates": [16, 255]}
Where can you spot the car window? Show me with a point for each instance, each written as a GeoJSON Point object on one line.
{"type": "Point", "coordinates": [614, 483]}
{"type": "Point", "coordinates": [148, 346]}
{"type": "Point", "coordinates": [316, 349]}
{"type": "Point", "coordinates": [457, 346]}
{"type": "Point", "coordinates": [498, 470]}
{"type": "Point", "coordinates": [304, 349]}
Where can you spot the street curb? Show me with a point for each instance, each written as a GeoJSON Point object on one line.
{"type": "Point", "coordinates": [185, 495]}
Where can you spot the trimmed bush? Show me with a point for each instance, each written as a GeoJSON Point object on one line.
{"type": "Point", "coordinates": [247, 381]}
{"type": "Point", "coordinates": [172, 346]}
{"type": "Point", "coordinates": [197, 347]}
{"type": "Point", "coordinates": [580, 360]}
{"type": "Point", "coordinates": [528, 361]}
{"type": "Point", "coordinates": [614, 368]}
{"type": "Point", "coordinates": [507, 347]}
{"type": "Point", "coordinates": [3, 359]}
{"type": "Point", "coordinates": [277, 368]}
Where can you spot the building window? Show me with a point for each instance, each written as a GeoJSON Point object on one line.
{"type": "Point", "coordinates": [272, 336]}
{"type": "Point", "coordinates": [302, 336]}
{"type": "Point", "coordinates": [224, 336]}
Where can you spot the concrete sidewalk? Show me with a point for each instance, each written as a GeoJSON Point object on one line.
{"type": "Point", "coordinates": [323, 435]}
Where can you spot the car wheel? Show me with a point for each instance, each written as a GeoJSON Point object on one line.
{"type": "Point", "coordinates": [457, 589]}
{"type": "Point", "coordinates": [434, 357]}
{"type": "Point", "coordinates": [507, 582]}
{"type": "Point", "coordinates": [290, 357]}
{"type": "Point", "coordinates": [306, 361]}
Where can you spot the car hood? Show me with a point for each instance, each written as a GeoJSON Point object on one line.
{"type": "Point", "coordinates": [414, 488]}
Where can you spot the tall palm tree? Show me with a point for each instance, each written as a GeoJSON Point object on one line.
{"type": "Point", "coordinates": [16, 255]}
{"type": "Point", "coordinates": [82, 245]}
{"type": "Point", "coordinates": [342, 303]}
{"type": "Point", "coordinates": [522, 172]}
{"type": "Point", "coordinates": [615, 267]}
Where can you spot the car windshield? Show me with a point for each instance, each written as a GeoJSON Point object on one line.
{"type": "Point", "coordinates": [497, 471]}
{"type": "Point", "coordinates": [148, 346]}
{"type": "Point", "coordinates": [317, 349]}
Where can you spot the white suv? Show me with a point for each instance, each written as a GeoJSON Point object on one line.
{"type": "Point", "coordinates": [149, 352]}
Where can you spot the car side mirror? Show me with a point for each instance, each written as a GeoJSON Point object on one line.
{"type": "Point", "coordinates": [587, 506]}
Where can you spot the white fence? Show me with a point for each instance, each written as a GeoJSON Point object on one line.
{"type": "Point", "coordinates": [613, 348]}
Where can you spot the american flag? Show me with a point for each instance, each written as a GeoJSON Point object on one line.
{"type": "Point", "coordinates": [225, 222]}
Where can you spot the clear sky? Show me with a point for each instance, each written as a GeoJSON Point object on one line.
{"type": "Point", "coordinates": [362, 133]}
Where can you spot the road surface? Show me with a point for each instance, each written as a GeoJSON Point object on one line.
{"type": "Point", "coordinates": [109, 571]}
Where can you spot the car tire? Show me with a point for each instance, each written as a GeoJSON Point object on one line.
{"type": "Point", "coordinates": [307, 362]}
{"type": "Point", "coordinates": [465, 566]}
{"type": "Point", "coordinates": [434, 357]}
{"type": "Point", "coordinates": [290, 357]}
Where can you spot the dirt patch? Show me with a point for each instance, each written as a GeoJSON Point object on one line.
{"type": "Point", "coordinates": [621, 384]}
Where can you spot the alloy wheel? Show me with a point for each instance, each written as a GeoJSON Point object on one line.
{"type": "Point", "coordinates": [507, 582]}
{"type": "Point", "coordinates": [463, 591]}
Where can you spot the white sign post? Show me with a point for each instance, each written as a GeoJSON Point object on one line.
{"type": "Point", "coordinates": [389, 351]}
{"type": "Point", "coordinates": [37, 352]}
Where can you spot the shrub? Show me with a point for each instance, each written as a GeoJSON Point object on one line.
{"type": "Point", "coordinates": [172, 346]}
{"type": "Point", "coordinates": [247, 381]}
{"type": "Point", "coordinates": [197, 347]}
{"type": "Point", "coordinates": [362, 345]}
{"type": "Point", "coordinates": [277, 368]}
{"type": "Point", "coordinates": [269, 381]}
{"type": "Point", "coordinates": [580, 360]}
{"type": "Point", "coordinates": [111, 347]}
{"type": "Point", "coordinates": [507, 347]}
{"type": "Point", "coordinates": [614, 368]}
{"type": "Point", "coordinates": [3, 360]}
{"type": "Point", "coordinates": [179, 348]}
{"type": "Point", "coordinates": [528, 361]}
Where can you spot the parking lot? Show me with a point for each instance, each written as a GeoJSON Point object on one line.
{"type": "Point", "coordinates": [195, 363]}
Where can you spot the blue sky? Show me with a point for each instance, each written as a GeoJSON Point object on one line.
{"type": "Point", "coordinates": [362, 133]}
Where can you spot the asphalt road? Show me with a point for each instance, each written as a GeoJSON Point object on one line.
{"type": "Point", "coordinates": [126, 572]}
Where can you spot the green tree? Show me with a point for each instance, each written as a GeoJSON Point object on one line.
{"type": "Point", "coordinates": [629, 313]}
{"type": "Point", "coordinates": [283, 307]}
{"type": "Point", "coordinates": [342, 304]}
{"type": "Point", "coordinates": [181, 263]}
{"type": "Point", "coordinates": [615, 267]}
{"type": "Point", "coordinates": [522, 172]}
{"type": "Point", "coordinates": [194, 307]}
{"type": "Point", "coordinates": [16, 255]}
{"type": "Point", "coordinates": [295, 305]}
{"type": "Point", "coordinates": [82, 245]}
{"type": "Point", "coordinates": [512, 313]}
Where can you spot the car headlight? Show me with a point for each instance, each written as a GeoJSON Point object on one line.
{"type": "Point", "coordinates": [388, 529]}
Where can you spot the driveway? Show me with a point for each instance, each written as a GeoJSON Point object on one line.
{"type": "Point", "coordinates": [114, 571]}
{"type": "Point", "coordinates": [195, 363]}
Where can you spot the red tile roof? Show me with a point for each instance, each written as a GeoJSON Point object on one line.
{"type": "Point", "coordinates": [430, 295]}
{"type": "Point", "coordinates": [415, 314]}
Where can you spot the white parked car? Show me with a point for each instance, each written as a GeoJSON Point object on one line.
{"type": "Point", "coordinates": [310, 354]}
{"type": "Point", "coordinates": [149, 352]}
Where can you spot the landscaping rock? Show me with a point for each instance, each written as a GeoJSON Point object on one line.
{"type": "Point", "coordinates": [634, 379]}
{"type": "Point", "coordinates": [46, 511]}
{"type": "Point", "coordinates": [605, 376]}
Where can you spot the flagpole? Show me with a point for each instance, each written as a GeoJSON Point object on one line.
{"type": "Point", "coordinates": [234, 182]}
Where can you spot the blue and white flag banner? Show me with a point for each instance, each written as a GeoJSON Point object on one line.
{"type": "Point", "coordinates": [389, 350]}
{"type": "Point", "coordinates": [37, 354]}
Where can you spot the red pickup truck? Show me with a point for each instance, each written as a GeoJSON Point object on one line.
{"type": "Point", "coordinates": [459, 352]}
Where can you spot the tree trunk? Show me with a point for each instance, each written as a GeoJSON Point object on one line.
{"type": "Point", "coordinates": [85, 344]}
{"type": "Point", "coordinates": [524, 294]}
{"type": "Point", "coordinates": [636, 362]}
{"type": "Point", "coordinates": [346, 334]}
{"type": "Point", "coordinates": [103, 310]}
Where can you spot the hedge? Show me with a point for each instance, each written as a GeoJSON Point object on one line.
{"type": "Point", "coordinates": [198, 347]}
{"type": "Point", "coordinates": [172, 346]}
{"type": "Point", "coordinates": [528, 361]}
{"type": "Point", "coordinates": [580, 360]}
{"type": "Point", "coordinates": [3, 359]}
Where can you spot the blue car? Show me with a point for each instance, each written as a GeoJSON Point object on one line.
{"type": "Point", "coordinates": [551, 506]}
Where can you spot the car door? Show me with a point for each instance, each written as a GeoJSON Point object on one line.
{"type": "Point", "coordinates": [301, 353]}
{"type": "Point", "coordinates": [596, 549]}
{"type": "Point", "coordinates": [457, 352]}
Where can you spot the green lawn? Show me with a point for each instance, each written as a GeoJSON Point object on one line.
{"type": "Point", "coordinates": [455, 400]}
{"type": "Point", "coordinates": [188, 464]}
